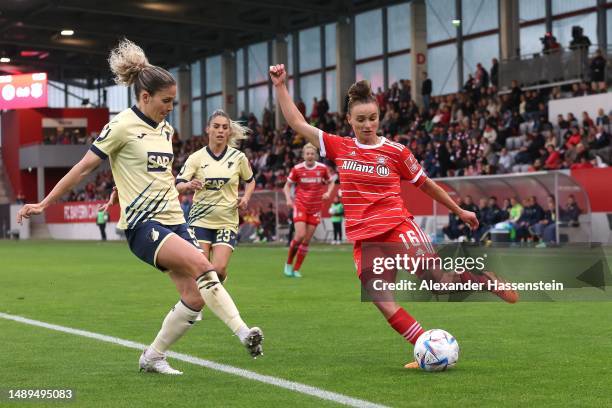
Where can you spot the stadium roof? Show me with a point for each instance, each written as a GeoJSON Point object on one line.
{"type": "Point", "coordinates": [171, 32]}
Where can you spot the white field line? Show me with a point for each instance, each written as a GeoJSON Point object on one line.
{"type": "Point", "coordinates": [250, 375]}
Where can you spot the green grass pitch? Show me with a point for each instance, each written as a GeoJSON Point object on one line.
{"type": "Point", "coordinates": [317, 333]}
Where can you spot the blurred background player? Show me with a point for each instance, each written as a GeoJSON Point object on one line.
{"type": "Point", "coordinates": [375, 211]}
{"type": "Point", "coordinates": [138, 142]}
{"type": "Point", "coordinates": [337, 215]}
{"type": "Point", "coordinates": [312, 185]}
{"type": "Point", "coordinates": [213, 173]}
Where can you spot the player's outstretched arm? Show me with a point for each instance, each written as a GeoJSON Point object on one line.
{"type": "Point", "coordinates": [88, 163]}
{"type": "Point", "coordinates": [290, 111]}
{"type": "Point", "coordinates": [432, 189]}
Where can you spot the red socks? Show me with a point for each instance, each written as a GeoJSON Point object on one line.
{"type": "Point", "coordinates": [301, 254]}
{"type": "Point", "coordinates": [293, 247]}
{"type": "Point", "coordinates": [405, 325]}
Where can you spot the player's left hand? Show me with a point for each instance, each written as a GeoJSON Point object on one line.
{"type": "Point", "coordinates": [469, 218]}
{"type": "Point", "coordinates": [325, 196]}
{"type": "Point", "coordinates": [243, 203]}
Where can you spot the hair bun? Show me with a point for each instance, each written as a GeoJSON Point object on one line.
{"type": "Point", "coordinates": [360, 90]}
{"type": "Point", "coordinates": [126, 61]}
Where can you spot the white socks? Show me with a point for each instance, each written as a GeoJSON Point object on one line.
{"type": "Point", "coordinates": [175, 325]}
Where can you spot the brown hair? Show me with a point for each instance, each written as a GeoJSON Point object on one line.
{"type": "Point", "coordinates": [130, 65]}
{"type": "Point", "coordinates": [360, 92]}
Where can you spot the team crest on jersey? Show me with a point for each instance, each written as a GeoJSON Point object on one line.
{"type": "Point", "coordinates": [159, 161]}
{"type": "Point", "coordinates": [215, 183]}
{"type": "Point", "coordinates": [381, 160]}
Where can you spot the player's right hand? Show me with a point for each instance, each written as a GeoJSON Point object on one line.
{"type": "Point", "coordinates": [278, 74]}
{"type": "Point", "coordinates": [29, 210]}
{"type": "Point", "coordinates": [195, 185]}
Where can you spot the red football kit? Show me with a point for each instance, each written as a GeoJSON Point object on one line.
{"type": "Point", "coordinates": [310, 185]}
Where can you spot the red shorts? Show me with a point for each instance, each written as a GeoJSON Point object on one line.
{"type": "Point", "coordinates": [414, 240]}
{"type": "Point", "coordinates": [301, 215]}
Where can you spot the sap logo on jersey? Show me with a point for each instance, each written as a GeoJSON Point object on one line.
{"type": "Point", "coordinates": [381, 169]}
{"type": "Point", "coordinates": [158, 161]}
{"type": "Point", "coordinates": [215, 183]}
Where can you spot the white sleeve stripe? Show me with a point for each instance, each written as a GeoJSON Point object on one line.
{"type": "Point", "coordinates": [321, 143]}
{"type": "Point", "coordinates": [416, 178]}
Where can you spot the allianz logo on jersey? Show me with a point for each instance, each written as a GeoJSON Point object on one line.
{"type": "Point", "coordinates": [159, 161]}
{"type": "Point", "coordinates": [215, 183]}
{"type": "Point", "coordinates": [381, 169]}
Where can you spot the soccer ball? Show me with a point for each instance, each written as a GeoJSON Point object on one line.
{"type": "Point", "coordinates": [436, 350]}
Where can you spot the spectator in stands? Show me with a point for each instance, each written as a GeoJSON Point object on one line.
{"type": "Point", "coordinates": [553, 161]}
{"type": "Point", "coordinates": [494, 214]}
{"type": "Point", "coordinates": [598, 71]}
{"type": "Point", "coordinates": [495, 72]}
{"type": "Point", "coordinates": [405, 91]}
{"type": "Point", "coordinates": [602, 118]}
{"type": "Point", "coordinates": [601, 139]}
{"type": "Point", "coordinates": [426, 90]}
{"type": "Point", "coordinates": [455, 227]}
{"type": "Point", "coordinates": [574, 138]}
{"type": "Point", "coordinates": [314, 113]}
{"type": "Point", "coordinates": [571, 212]}
{"type": "Point", "coordinates": [516, 209]}
{"type": "Point", "coordinates": [546, 228]}
{"type": "Point", "coordinates": [531, 215]}
{"type": "Point", "coordinates": [587, 122]}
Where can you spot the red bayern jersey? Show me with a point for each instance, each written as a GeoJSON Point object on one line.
{"type": "Point", "coordinates": [310, 185]}
{"type": "Point", "coordinates": [370, 182]}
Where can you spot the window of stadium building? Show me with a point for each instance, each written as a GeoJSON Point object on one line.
{"type": "Point", "coordinates": [330, 45]}
{"type": "Point", "coordinates": [479, 50]}
{"type": "Point", "coordinates": [478, 16]}
{"type": "Point", "coordinates": [213, 74]}
{"type": "Point", "coordinates": [196, 80]}
{"type": "Point", "coordinates": [399, 68]}
{"type": "Point", "coordinates": [368, 34]}
{"type": "Point", "coordinates": [531, 9]}
{"type": "Point", "coordinates": [258, 62]}
{"type": "Point", "coordinates": [442, 69]}
{"type": "Point", "coordinates": [196, 117]}
{"type": "Point", "coordinates": [439, 14]}
{"type": "Point", "coordinates": [373, 72]}
{"type": "Point", "coordinates": [564, 6]}
{"type": "Point", "coordinates": [310, 49]}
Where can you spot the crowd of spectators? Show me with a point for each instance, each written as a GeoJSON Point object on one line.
{"type": "Point", "coordinates": [476, 131]}
{"type": "Point", "coordinates": [518, 222]}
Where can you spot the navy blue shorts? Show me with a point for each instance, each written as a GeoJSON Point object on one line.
{"type": "Point", "coordinates": [147, 238]}
{"type": "Point", "coordinates": [215, 237]}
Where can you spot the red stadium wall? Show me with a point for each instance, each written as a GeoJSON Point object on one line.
{"type": "Point", "coordinates": [598, 185]}
{"type": "Point", "coordinates": [24, 127]}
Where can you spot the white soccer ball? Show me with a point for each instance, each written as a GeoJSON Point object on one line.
{"type": "Point", "coordinates": [436, 350]}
